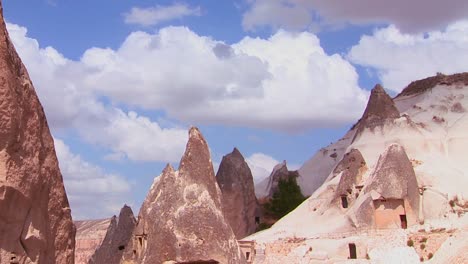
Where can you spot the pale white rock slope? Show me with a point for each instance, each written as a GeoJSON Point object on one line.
{"type": "Point", "coordinates": [427, 125]}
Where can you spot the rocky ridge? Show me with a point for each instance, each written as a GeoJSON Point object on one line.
{"type": "Point", "coordinates": [35, 217]}
{"type": "Point", "coordinates": [182, 218]}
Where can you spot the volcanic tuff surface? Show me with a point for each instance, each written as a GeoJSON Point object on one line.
{"type": "Point", "coordinates": [239, 202]}
{"type": "Point", "coordinates": [117, 237]}
{"type": "Point", "coordinates": [181, 219]}
{"type": "Point", "coordinates": [35, 220]}
{"type": "Point", "coordinates": [421, 173]}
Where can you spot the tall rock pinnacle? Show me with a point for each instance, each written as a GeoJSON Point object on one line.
{"type": "Point", "coordinates": [35, 220]}
{"type": "Point", "coordinates": [239, 202]}
{"type": "Point", "coordinates": [181, 219]}
{"type": "Point", "coordinates": [117, 237]}
{"type": "Point", "coordinates": [380, 109]}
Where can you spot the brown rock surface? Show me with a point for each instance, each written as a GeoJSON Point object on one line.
{"type": "Point", "coordinates": [35, 220]}
{"type": "Point", "coordinates": [379, 110]}
{"type": "Point", "coordinates": [352, 166]}
{"type": "Point", "coordinates": [182, 219]}
{"type": "Point", "coordinates": [89, 237]}
{"type": "Point", "coordinates": [237, 186]}
{"type": "Point", "coordinates": [117, 237]}
{"type": "Point", "coordinates": [423, 85]}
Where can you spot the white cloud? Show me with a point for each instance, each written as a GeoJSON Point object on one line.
{"type": "Point", "coordinates": [141, 138]}
{"type": "Point", "coordinates": [72, 104]}
{"type": "Point", "coordinates": [154, 15]}
{"type": "Point", "coordinates": [92, 192]}
{"type": "Point", "coordinates": [409, 16]}
{"type": "Point", "coordinates": [401, 58]}
{"type": "Point", "coordinates": [286, 82]}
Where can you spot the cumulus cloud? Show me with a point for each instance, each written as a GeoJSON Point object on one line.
{"type": "Point", "coordinates": [92, 192]}
{"type": "Point", "coordinates": [70, 103]}
{"type": "Point", "coordinates": [154, 15]}
{"type": "Point", "coordinates": [409, 16]}
{"type": "Point", "coordinates": [268, 83]}
{"type": "Point", "coordinates": [285, 82]}
{"type": "Point", "coordinates": [400, 58]}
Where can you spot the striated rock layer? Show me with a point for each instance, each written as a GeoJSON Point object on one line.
{"type": "Point", "coordinates": [89, 237]}
{"type": "Point", "coordinates": [239, 202]}
{"type": "Point", "coordinates": [181, 219]}
{"type": "Point", "coordinates": [35, 220]}
{"type": "Point", "coordinates": [117, 237]}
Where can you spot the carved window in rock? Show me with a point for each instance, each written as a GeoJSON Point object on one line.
{"type": "Point", "coordinates": [344, 201]}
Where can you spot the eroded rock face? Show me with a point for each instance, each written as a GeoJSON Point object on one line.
{"type": "Point", "coordinates": [280, 172]}
{"type": "Point", "coordinates": [394, 178]}
{"type": "Point", "coordinates": [237, 186]}
{"type": "Point", "coordinates": [182, 218]}
{"type": "Point", "coordinates": [117, 237]}
{"type": "Point", "coordinates": [35, 220]}
{"type": "Point", "coordinates": [352, 166]}
{"type": "Point", "coordinates": [89, 237]}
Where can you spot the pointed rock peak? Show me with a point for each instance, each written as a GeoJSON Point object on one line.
{"type": "Point", "coordinates": [380, 105]}
{"type": "Point", "coordinates": [379, 110]}
{"type": "Point", "coordinates": [378, 89]}
{"type": "Point", "coordinates": [168, 169]}
{"type": "Point", "coordinates": [194, 133]}
{"type": "Point", "coordinates": [196, 145]}
{"type": "Point", "coordinates": [235, 152]}
{"type": "Point", "coordinates": [126, 210]}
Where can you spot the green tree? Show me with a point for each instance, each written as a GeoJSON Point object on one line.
{"type": "Point", "coordinates": [285, 199]}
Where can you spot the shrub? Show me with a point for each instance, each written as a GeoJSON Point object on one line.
{"type": "Point", "coordinates": [430, 255]}
{"type": "Point", "coordinates": [422, 246]}
{"type": "Point", "coordinates": [286, 198]}
{"type": "Point", "coordinates": [410, 243]}
{"type": "Point", "coordinates": [452, 203]}
{"type": "Point", "coordinates": [424, 240]}
{"type": "Point", "coordinates": [421, 259]}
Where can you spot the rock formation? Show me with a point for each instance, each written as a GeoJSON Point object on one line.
{"type": "Point", "coordinates": [182, 219]}
{"type": "Point", "coordinates": [117, 237]}
{"type": "Point", "coordinates": [423, 85]}
{"type": "Point", "coordinates": [89, 237]}
{"type": "Point", "coordinates": [351, 168]}
{"type": "Point", "coordinates": [35, 218]}
{"type": "Point", "coordinates": [393, 184]}
{"type": "Point", "coordinates": [380, 109]}
{"type": "Point", "coordinates": [237, 186]}
{"type": "Point", "coordinates": [280, 172]}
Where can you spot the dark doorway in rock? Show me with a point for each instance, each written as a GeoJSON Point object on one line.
{"type": "Point", "coordinates": [247, 256]}
{"type": "Point", "coordinates": [121, 247]}
{"type": "Point", "coordinates": [140, 239]}
{"type": "Point", "coordinates": [257, 220]}
{"type": "Point", "coordinates": [344, 201]}
{"type": "Point", "coordinates": [352, 251]}
{"type": "Point", "coordinates": [404, 222]}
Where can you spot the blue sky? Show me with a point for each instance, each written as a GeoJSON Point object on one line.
{"type": "Point", "coordinates": [121, 81]}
